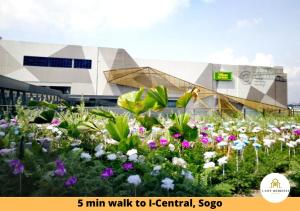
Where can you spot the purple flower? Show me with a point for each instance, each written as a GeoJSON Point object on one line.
{"type": "Point", "coordinates": [176, 135]}
{"type": "Point", "coordinates": [107, 172]}
{"type": "Point", "coordinates": [297, 132]}
{"type": "Point", "coordinates": [17, 165]}
{"type": "Point", "coordinates": [205, 128]}
{"type": "Point", "coordinates": [185, 144]}
{"type": "Point", "coordinates": [60, 168]}
{"type": "Point", "coordinates": [14, 121]}
{"type": "Point", "coordinates": [219, 139]}
{"type": "Point", "coordinates": [142, 130]}
{"type": "Point", "coordinates": [204, 140]}
{"type": "Point", "coordinates": [71, 181]}
{"type": "Point", "coordinates": [231, 137]}
{"type": "Point", "coordinates": [163, 142]}
{"type": "Point", "coordinates": [127, 166]}
{"type": "Point", "coordinates": [3, 121]}
{"type": "Point", "coordinates": [4, 125]}
{"type": "Point", "coordinates": [152, 145]}
{"type": "Point", "coordinates": [204, 134]}
{"type": "Point", "coordinates": [55, 122]}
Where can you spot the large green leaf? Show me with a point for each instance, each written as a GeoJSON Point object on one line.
{"type": "Point", "coordinates": [119, 128]}
{"type": "Point", "coordinates": [42, 104]}
{"type": "Point", "coordinates": [160, 96]}
{"type": "Point", "coordinates": [132, 101]}
{"type": "Point", "coordinates": [148, 122]}
{"type": "Point", "coordinates": [44, 117]}
{"type": "Point", "coordinates": [103, 113]}
{"type": "Point", "coordinates": [181, 126]}
{"type": "Point", "coordinates": [184, 100]}
{"type": "Point", "coordinates": [87, 126]}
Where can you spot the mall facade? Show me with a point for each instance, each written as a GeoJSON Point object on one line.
{"type": "Point", "coordinates": [108, 72]}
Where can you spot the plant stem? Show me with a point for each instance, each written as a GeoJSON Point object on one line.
{"type": "Point", "coordinates": [256, 153]}
{"type": "Point", "coordinates": [20, 184]}
{"type": "Point", "coordinates": [237, 161]}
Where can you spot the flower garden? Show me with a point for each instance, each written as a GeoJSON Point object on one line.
{"type": "Point", "coordinates": [60, 150]}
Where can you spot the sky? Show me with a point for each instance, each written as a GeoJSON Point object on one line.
{"type": "Point", "coordinates": [254, 32]}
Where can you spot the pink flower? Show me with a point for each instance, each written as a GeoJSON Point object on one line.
{"type": "Point", "coordinates": [142, 130]}
{"type": "Point", "coordinates": [176, 135]}
{"type": "Point", "coordinates": [185, 144]}
{"type": "Point", "coordinates": [204, 140]}
{"type": "Point", "coordinates": [219, 139]}
{"type": "Point", "coordinates": [163, 142]}
{"type": "Point", "coordinates": [297, 132]}
{"type": "Point", "coordinates": [55, 122]}
{"type": "Point", "coordinates": [231, 137]}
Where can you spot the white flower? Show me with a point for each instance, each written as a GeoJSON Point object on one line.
{"type": "Point", "coordinates": [50, 127]}
{"type": "Point", "coordinates": [99, 147]}
{"type": "Point", "coordinates": [222, 160]}
{"type": "Point", "coordinates": [30, 135]}
{"type": "Point", "coordinates": [171, 147]}
{"type": "Point", "coordinates": [256, 130]}
{"type": "Point", "coordinates": [209, 165]}
{"type": "Point", "coordinates": [75, 143]}
{"type": "Point", "coordinates": [187, 175]}
{"type": "Point", "coordinates": [134, 179]}
{"type": "Point", "coordinates": [276, 130]}
{"type": "Point", "coordinates": [243, 137]}
{"type": "Point", "coordinates": [209, 155]}
{"type": "Point", "coordinates": [86, 156]}
{"type": "Point", "coordinates": [111, 156]}
{"type": "Point", "coordinates": [111, 141]}
{"type": "Point", "coordinates": [222, 144]}
{"type": "Point", "coordinates": [76, 149]}
{"type": "Point", "coordinates": [141, 158]}
{"type": "Point", "coordinates": [133, 157]}
{"type": "Point", "coordinates": [167, 184]}
{"type": "Point", "coordinates": [268, 142]}
{"type": "Point", "coordinates": [99, 153]}
{"type": "Point", "coordinates": [242, 129]}
{"type": "Point", "coordinates": [2, 134]}
{"type": "Point", "coordinates": [179, 162]}
{"type": "Point", "coordinates": [157, 168]}
{"type": "Point", "coordinates": [44, 150]}
{"type": "Point", "coordinates": [131, 152]}
{"type": "Point", "coordinates": [292, 144]}
{"type": "Point", "coordinates": [4, 152]}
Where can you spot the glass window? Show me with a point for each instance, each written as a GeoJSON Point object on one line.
{"type": "Point", "coordinates": [35, 61]}
{"type": "Point", "coordinates": [60, 62]}
{"type": "Point", "coordinates": [82, 63]}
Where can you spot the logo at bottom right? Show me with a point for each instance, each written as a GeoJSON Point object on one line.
{"type": "Point", "coordinates": [275, 187]}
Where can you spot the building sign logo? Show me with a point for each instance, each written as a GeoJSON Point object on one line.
{"type": "Point", "coordinates": [275, 188]}
{"type": "Point", "coordinates": [222, 76]}
{"type": "Point", "coordinates": [246, 77]}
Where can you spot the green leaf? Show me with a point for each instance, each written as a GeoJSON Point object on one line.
{"type": "Point", "coordinates": [87, 126]}
{"type": "Point", "coordinates": [103, 113]}
{"type": "Point", "coordinates": [63, 124]}
{"type": "Point", "coordinates": [132, 102]}
{"type": "Point", "coordinates": [43, 104]}
{"type": "Point", "coordinates": [44, 117]}
{"type": "Point", "coordinates": [119, 129]}
{"type": "Point", "coordinates": [184, 100]}
{"type": "Point", "coordinates": [148, 122]}
{"type": "Point", "coordinates": [160, 96]}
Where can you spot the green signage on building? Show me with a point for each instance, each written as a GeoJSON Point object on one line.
{"type": "Point", "coordinates": [222, 76]}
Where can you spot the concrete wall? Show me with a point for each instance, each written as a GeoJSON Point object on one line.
{"type": "Point", "coordinates": [249, 82]}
